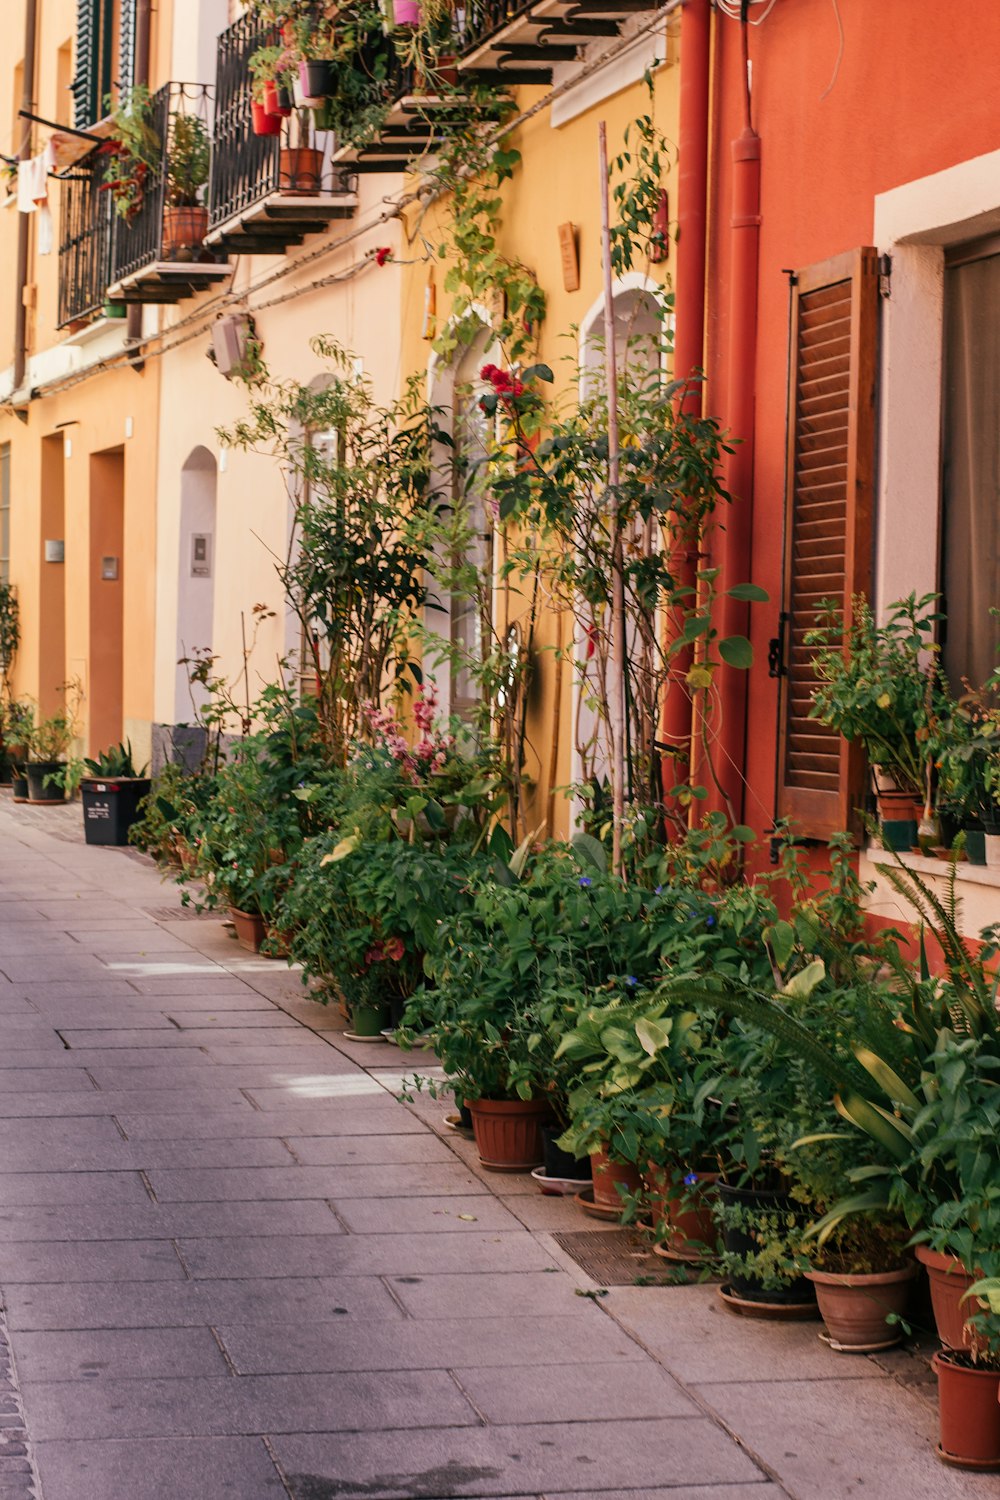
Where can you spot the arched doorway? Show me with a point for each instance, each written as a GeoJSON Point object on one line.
{"type": "Point", "coordinates": [195, 575]}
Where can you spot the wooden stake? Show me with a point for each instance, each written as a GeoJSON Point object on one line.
{"type": "Point", "coordinates": [616, 694]}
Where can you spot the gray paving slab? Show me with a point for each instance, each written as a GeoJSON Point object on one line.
{"type": "Point", "coordinates": [62, 1078]}
{"type": "Point", "coordinates": [574, 1392]}
{"type": "Point", "coordinates": [51, 992]}
{"type": "Point", "coordinates": [391, 1150]}
{"type": "Point", "coordinates": [199, 1406]}
{"type": "Point", "coordinates": [71, 1187]}
{"type": "Point", "coordinates": [92, 1101]}
{"type": "Point", "coordinates": [172, 1220]}
{"type": "Point", "coordinates": [195, 1304]}
{"type": "Point", "coordinates": [447, 1343]}
{"type": "Point", "coordinates": [307, 1182]}
{"type": "Point", "coordinates": [295, 1120]}
{"type": "Point", "coordinates": [295, 1076]}
{"type": "Point", "coordinates": [363, 1254]}
{"type": "Point", "coordinates": [179, 1469]}
{"type": "Point", "coordinates": [457, 1215]}
{"type": "Point", "coordinates": [762, 1491]}
{"type": "Point", "coordinates": [119, 1354]}
{"type": "Point", "coordinates": [41, 967]}
{"type": "Point", "coordinates": [496, 1461]}
{"type": "Point", "coordinates": [137, 1039]}
{"type": "Point", "coordinates": [266, 1018]}
{"type": "Point", "coordinates": [834, 1439]}
{"type": "Point", "coordinates": [529, 1294]}
{"type": "Point", "coordinates": [36, 1261]}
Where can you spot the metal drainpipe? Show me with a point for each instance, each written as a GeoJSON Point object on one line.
{"type": "Point", "coordinates": [689, 317]}
{"type": "Point", "coordinates": [133, 325]}
{"type": "Point", "coordinates": [736, 541]}
{"type": "Point", "coordinates": [24, 220]}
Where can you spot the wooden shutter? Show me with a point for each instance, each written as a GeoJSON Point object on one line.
{"type": "Point", "coordinates": [126, 45]}
{"type": "Point", "coordinates": [828, 523]}
{"type": "Point", "coordinates": [94, 49]}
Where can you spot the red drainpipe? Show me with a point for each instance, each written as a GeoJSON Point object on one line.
{"type": "Point", "coordinates": [689, 316]}
{"type": "Point", "coordinates": [730, 754]}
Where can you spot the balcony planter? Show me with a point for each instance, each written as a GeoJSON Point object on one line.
{"type": "Point", "coordinates": [277, 101]}
{"type": "Point", "coordinates": [249, 928]}
{"type": "Point", "coordinates": [300, 170]}
{"type": "Point", "coordinates": [264, 123]}
{"type": "Point", "coordinates": [969, 1408]}
{"type": "Point", "coordinates": [37, 771]}
{"type": "Point", "coordinates": [949, 1283]}
{"type": "Point", "coordinates": [316, 77]}
{"type": "Point", "coordinates": [508, 1132]}
{"type": "Point", "coordinates": [854, 1307]}
{"type": "Point", "coordinates": [183, 229]}
{"type": "Point", "coordinates": [111, 807]}
{"type": "Point", "coordinates": [114, 310]}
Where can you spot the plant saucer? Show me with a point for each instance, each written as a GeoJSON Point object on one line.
{"type": "Point", "coordinates": [965, 1463]}
{"type": "Point", "coordinates": [560, 1187]}
{"type": "Point", "coordinates": [355, 1036]}
{"type": "Point", "coordinates": [775, 1312]}
{"type": "Point", "coordinates": [454, 1122]}
{"type": "Point", "coordinates": [839, 1348]}
{"type": "Point", "coordinates": [585, 1200]}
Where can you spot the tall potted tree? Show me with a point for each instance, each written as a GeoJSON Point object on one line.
{"type": "Point", "coordinates": [185, 217]}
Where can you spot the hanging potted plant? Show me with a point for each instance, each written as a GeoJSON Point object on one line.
{"type": "Point", "coordinates": [266, 116]}
{"type": "Point", "coordinates": [316, 46]}
{"type": "Point", "coordinates": [185, 217]}
{"type": "Point", "coordinates": [132, 154]}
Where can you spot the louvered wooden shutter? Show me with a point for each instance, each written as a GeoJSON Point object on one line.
{"type": "Point", "coordinates": [92, 74]}
{"type": "Point", "coordinates": [828, 522]}
{"type": "Point", "coordinates": [126, 45]}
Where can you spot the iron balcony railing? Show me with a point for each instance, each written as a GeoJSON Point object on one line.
{"type": "Point", "coordinates": [171, 219]}
{"type": "Point", "coordinates": [477, 20]}
{"type": "Point", "coordinates": [84, 241]}
{"type": "Point", "coordinates": [249, 168]}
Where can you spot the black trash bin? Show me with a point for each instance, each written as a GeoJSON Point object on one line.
{"type": "Point", "coordinates": [111, 807]}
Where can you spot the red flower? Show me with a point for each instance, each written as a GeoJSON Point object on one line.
{"type": "Point", "coordinates": [394, 949]}
{"type": "Point", "coordinates": [382, 254]}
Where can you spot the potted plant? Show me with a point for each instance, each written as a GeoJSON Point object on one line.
{"type": "Point", "coordinates": [880, 686]}
{"type": "Point", "coordinates": [111, 795]}
{"type": "Point", "coordinates": [969, 1381]}
{"type": "Point", "coordinates": [132, 153]}
{"type": "Point", "coordinates": [264, 96]}
{"type": "Point", "coordinates": [185, 217]}
{"type": "Point", "coordinates": [47, 766]}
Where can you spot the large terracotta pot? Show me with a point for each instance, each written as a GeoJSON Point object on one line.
{"type": "Point", "coordinates": [184, 229]}
{"type": "Point", "coordinates": [969, 1408]}
{"type": "Point", "coordinates": [509, 1132]}
{"type": "Point", "coordinates": [300, 170]}
{"type": "Point", "coordinates": [686, 1210]}
{"type": "Point", "coordinates": [249, 928]}
{"type": "Point", "coordinates": [854, 1307]}
{"type": "Point", "coordinates": [608, 1176]}
{"type": "Point", "coordinates": [949, 1283]}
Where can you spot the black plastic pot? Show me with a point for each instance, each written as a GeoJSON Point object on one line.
{"type": "Point", "coordinates": [738, 1242]}
{"type": "Point", "coordinates": [111, 807]}
{"type": "Point", "coordinates": [559, 1163]}
{"type": "Point", "coordinates": [315, 77]}
{"type": "Point", "coordinates": [37, 771]}
{"type": "Point", "coordinates": [19, 787]}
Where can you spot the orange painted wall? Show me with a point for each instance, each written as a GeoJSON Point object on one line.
{"type": "Point", "coordinates": [915, 92]}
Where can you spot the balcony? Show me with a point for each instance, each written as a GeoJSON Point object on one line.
{"type": "Point", "coordinates": [520, 41]}
{"type": "Point", "coordinates": [84, 242]}
{"type": "Point", "coordinates": [158, 250]}
{"type": "Point", "coordinates": [266, 194]}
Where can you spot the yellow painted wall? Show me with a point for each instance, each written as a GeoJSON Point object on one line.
{"type": "Point", "coordinates": [557, 182]}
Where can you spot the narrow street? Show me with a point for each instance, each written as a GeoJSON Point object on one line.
{"type": "Point", "coordinates": [233, 1265]}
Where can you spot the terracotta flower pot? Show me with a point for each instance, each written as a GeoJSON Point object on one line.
{"type": "Point", "coordinates": [264, 123]}
{"type": "Point", "coordinates": [277, 101]}
{"type": "Point", "coordinates": [969, 1408]}
{"type": "Point", "coordinates": [854, 1306]}
{"type": "Point", "coordinates": [608, 1176]}
{"type": "Point", "coordinates": [949, 1283]}
{"type": "Point", "coordinates": [686, 1210]}
{"type": "Point", "coordinates": [509, 1132]}
{"type": "Point", "coordinates": [184, 229]}
{"type": "Point", "coordinates": [300, 170]}
{"type": "Point", "coordinates": [249, 928]}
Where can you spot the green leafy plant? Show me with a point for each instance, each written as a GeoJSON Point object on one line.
{"type": "Point", "coordinates": [115, 763]}
{"type": "Point", "coordinates": [132, 153]}
{"type": "Point", "coordinates": [188, 157]}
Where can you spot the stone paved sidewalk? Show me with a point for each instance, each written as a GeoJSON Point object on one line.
{"type": "Point", "coordinates": [233, 1265]}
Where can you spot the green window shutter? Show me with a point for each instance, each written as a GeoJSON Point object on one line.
{"type": "Point", "coordinates": [92, 77]}
{"type": "Point", "coordinates": [126, 45]}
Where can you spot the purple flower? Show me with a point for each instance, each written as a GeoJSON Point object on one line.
{"type": "Point", "coordinates": [691, 1179]}
{"type": "Point", "coordinates": [658, 891]}
{"type": "Point", "coordinates": [585, 880]}
{"type": "Point", "coordinates": [631, 981]}
{"type": "Point", "coordinates": [709, 922]}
